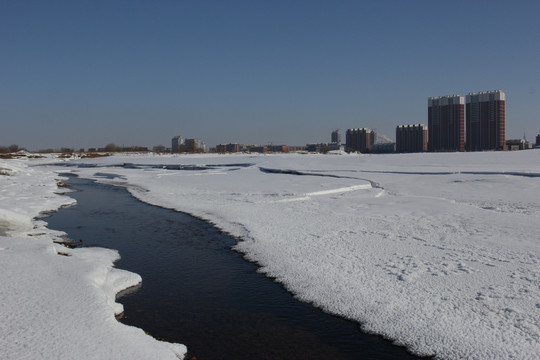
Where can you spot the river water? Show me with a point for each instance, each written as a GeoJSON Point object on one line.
{"type": "Point", "coordinates": [199, 292]}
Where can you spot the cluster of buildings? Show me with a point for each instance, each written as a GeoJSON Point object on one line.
{"type": "Point", "coordinates": [476, 122]}
{"type": "Point", "coordinates": [234, 147]}
{"type": "Point", "coordinates": [180, 145]}
{"type": "Point", "coordinates": [456, 123]}
{"type": "Point", "coordinates": [335, 144]}
{"type": "Point", "coordinates": [485, 122]}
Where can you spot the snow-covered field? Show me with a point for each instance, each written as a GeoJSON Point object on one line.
{"type": "Point", "coordinates": [439, 252]}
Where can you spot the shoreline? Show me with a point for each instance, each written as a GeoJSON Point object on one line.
{"type": "Point", "coordinates": [42, 274]}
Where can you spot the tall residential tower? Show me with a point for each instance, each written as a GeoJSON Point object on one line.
{"type": "Point", "coordinates": [411, 138]}
{"type": "Point", "coordinates": [486, 120]}
{"type": "Point", "coordinates": [336, 137]}
{"type": "Point", "coordinates": [359, 140]}
{"type": "Point", "coordinates": [446, 123]}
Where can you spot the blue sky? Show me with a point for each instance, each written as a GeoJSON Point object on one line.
{"type": "Point", "coordinates": [87, 73]}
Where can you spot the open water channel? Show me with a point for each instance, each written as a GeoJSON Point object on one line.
{"type": "Point", "coordinates": [199, 292]}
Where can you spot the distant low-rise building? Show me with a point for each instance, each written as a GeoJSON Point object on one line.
{"type": "Point", "coordinates": [538, 140]}
{"type": "Point", "coordinates": [278, 148]}
{"type": "Point", "coordinates": [258, 149]}
{"type": "Point", "coordinates": [231, 148]}
{"type": "Point", "coordinates": [384, 148]}
{"type": "Point", "coordinates": [316, 147]}
{"type": "Point", "coordinates": [295, 148]}
{"type": "Point", "coordinates": [515, 144]}
{"type": "Point", "coordinates": [336, 147]}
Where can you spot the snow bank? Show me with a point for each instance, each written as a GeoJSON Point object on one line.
{"type": "Point", "coordinates": [439, 252]}
{"type": "Point", "coordinates": [59, 303]}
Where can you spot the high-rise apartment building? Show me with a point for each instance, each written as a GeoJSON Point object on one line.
{"type": "Point", "coordinates": [176, 143]}
{"type": "Point", "coordinates": [359, 139]}
{"type": "Point", "coordinates": [411, 138]}
{"type": "Point", "coordinates": [486, 120]}
{"type": "Point", "coordinates": [446, 123]}
{"type": "Point", "coordinates": [372, 138]}
{"type": "Point", "coordinates": [194, 145]}
{"type": "Point", "coordinates": [336, 137]}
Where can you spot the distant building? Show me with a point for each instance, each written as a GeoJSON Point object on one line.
{"type": "Point", "coordinates": [384, 148]}
{"type": "Point", "coordinates": [231, 148]}
{"type": "Point", "coordinates": [515, 144]}
{"type": "Point", "coordinates": [528, 145]}
{"type": "Point", "coordinates": [176, 144]}
{"type": "Point", "coordinates": [538, 140]}
{"type": "Point", "coordinates": [336, 137]}
{"type": "Point", "coordinates": [372, 138]}
{"type": "Point", "coordinates": [335, 147]}
{"type": "Point", "coordinates": [359, 140]}
{"type": "Point", "coordinates": [258, 149]}
{"type": "Point", "coordinates": [278, 148]}
{"type": "Point", "coordinates": [296, 148]}
{"type": "Point", "coordinates": [316, 147]}
{"type": "Point", "coordinates": [194, 145]}
{"type": "Point", "coordinates": [486, 117]}
{"type": "Point", "coordinates": [411, 138]}
{"type": "Point", "coordinates": [446, 123]}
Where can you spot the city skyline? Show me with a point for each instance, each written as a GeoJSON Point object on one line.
{"type": "Point", "coordinates": [87, 74]}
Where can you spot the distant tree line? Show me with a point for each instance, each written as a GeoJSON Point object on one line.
{"type": "Point", "coordinates": [115, 148]}
{"type": "Point", "coordinates": [64, 150]}
{"type": "Point", "coordinates": [10, 149]}
{"type": "Point", "coordinates": [108, 148]}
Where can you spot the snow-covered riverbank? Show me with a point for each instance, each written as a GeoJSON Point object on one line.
{"type": "Point", "coordinates": [439, 252]}
{"type": "Point", "coordinates": [56, 302]}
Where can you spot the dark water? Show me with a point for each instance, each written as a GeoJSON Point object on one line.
{"type": "Point", "coordinates": [199, 292]}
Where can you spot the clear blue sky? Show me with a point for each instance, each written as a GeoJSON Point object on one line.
{"type": "Point", "coordinates": [87, 73]}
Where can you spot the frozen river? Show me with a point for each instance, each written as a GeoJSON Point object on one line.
{"type": "Point", "coordinates": [438, 252]}
{"type": "Point", "coordinates": [197, 291]}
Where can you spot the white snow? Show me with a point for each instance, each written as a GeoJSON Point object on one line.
{"type": "Point", "coordinates": [56, 302]}
{"type": "Point", "coordinates": [438, 252]}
